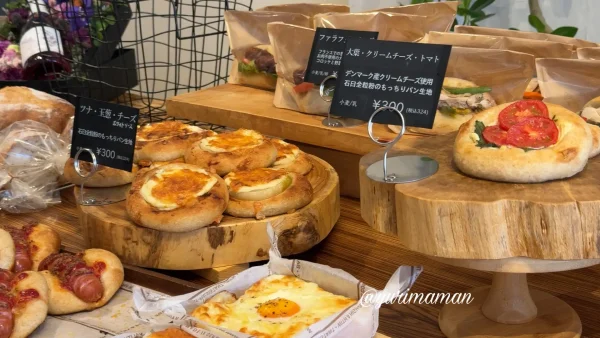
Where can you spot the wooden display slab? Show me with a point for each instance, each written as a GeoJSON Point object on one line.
{"type": "Point", "coordinates": [455, 216]}
{"type": "Point", "coordinates": [233, 241]}
{"type": "Point", "coordinates": [244, 107]}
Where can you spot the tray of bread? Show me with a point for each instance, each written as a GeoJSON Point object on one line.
{"type": "Point", "coordinates": [197, 199]}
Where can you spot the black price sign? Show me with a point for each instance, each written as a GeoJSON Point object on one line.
{"type": "Point", "coordinates": [107, 129]}
{"type": "Point", "coordinates": [327, 52]}
{"type": "Point", "coordinates": [403, 75]}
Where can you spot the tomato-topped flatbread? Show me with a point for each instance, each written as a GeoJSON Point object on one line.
{"type": "Point", "coordinates": [523, 142]}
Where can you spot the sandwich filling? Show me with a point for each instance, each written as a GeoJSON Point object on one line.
{"type": "Point", "coordinates": [165, 130]}
{"type": "Point", "coordinates": [227, 142]}
{"type": "Point", "coordinates": [257, 60]}
{"type": "Point", "coordinates": [463, 98]}
{"type": "Point", "coordinates": [286, 153]}
{"type": "Point", "coordinates": [275, 306]}
{"type": "Point", "coordinates": [172, 188]}
{"type": "Point", "coordinates": [257, 184]}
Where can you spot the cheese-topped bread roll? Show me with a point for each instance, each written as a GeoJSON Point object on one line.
{"type": "Point", "coordinates": [291, 158]}
{"type": "Point", "coordinates": [177, 197]}
{"type": "Point", "coordinates": [266, 192]}
{"type": "Point", "coordinates": [242, 149]}
{"type": "Point", "coordinates": [275, 306]}
{"type": "Point", "coordinates": [166, 141]}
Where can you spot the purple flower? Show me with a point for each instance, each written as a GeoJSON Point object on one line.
{"type": "Point", "coordinates": [18, 15]}
{"type": "Point", "coordinates": [10, 63]}
{"type": "Point", "coordinates": [3, 45]}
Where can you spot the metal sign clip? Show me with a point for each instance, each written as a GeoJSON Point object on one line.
{"type": "Point", "coordinates": [398, 168]}
{"type": "Point", "coordinates": [326, 95]}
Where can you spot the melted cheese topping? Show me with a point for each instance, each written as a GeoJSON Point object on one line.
{"type": "Point", "coordinates": [173, 188]}
{"type": "Point", "coordinates": [276, 306]}
{"type": "Point", "coordinates": [254, 180]}
{"type": "Point", "coordinates": [286, 153]}
{"type": "Point", "coordinates": [171, 332]}
{"type": "Point", "coordinates": [226, 142]}
{"type": "Point", "coordinates": [165, 130]}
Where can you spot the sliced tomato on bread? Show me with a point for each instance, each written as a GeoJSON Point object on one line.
{"type": "Point", "coordinates": [495, 135]}
{"type": "Point", "coordinates": [534, 132]}
{"type": "Point", "coordinates": [304, 87]}
{"type": "Point", "coordinates": [521, 110]}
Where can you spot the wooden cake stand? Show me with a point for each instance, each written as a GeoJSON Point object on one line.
{"type": "Point", "coordinates": [509, 229]}
{"type": "Point", "coordinates": [233, 241]}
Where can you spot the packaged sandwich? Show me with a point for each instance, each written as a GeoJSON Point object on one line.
{"type": "Point", "coordinates": [254, 64]}
{"type": "Point", "coordinates": [439, 15]}
{"type": "Point", "coordinates": [575, 85]}
{"type": "Point", "coordinates": [524, 35]}
{"type": "Point", "coordinates": [284, 298]}
{"type": "Point", "coordinates": [292, 57]}
{"type": "Point", "coordinates": [477, 79]}
{"type": "Point", "coordinates": [588, 53]}
{"type": "Point", "coordinates": [32, 158]}
{"type": "Point", "coordinates": [537, 48]}
{"type": "Point", "coordinates": [307, 9]}
{"type": "Point", "coordinates": [391, 26]}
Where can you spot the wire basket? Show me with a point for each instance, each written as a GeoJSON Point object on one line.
{"type": "Point", "coordinates": [138, 53]}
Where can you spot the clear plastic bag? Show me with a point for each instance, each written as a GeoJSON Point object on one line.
{"type": "Point", "coordinates": [32, 158]}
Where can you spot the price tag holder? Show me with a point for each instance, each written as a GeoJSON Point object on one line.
{"type": "Point", "coordinates": [391, 74]}
{"type": "Point", "coordinates": [328, 50]}
{"type": "Point", "coordinates": [106, 129]}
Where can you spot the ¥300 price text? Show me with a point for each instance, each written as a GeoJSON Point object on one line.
{"type": "Point", "coordinates": [106, 153]}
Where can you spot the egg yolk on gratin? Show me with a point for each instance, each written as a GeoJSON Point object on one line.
{"type": "Point", "coordinates": [286, 152]}
{"type": "Point", "coordinates": [275, 307]}
{"type": "Point", "coordinates": [171, 332]}
{"type": "Point", "coordinates": [162, 130]}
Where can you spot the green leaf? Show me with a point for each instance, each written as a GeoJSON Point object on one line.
{"type": "Point", "coordinates": [481, 4]}
{"type": "Point", "coordinates": [462, 11]}
{"type": "Point", "coordinates": [479, 127]}
{"type": "Point", "coordinates": [482, 18]}
{"type": "Point", "coordinates": [475, 14]}
{"type": "Point", "coordinates": [414, 2]}
{"type": "Point", "coordinates": [513, 29]}
{"type": "Point", "coordinates": [110, 20]}
{"type": "Point", "coordinates": [537, 23]}
{"type": "Point", "coordinates": [247, 68]}
{"type": "Point", "coordinates": [565, 31]}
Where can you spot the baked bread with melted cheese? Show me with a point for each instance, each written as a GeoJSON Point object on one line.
{"type": "Point", "coordinates": [291, 158]}
{"type": "Point", "coordinates": [166, 141]}
{"type": "Point", "coordinates": [276, 306]}
{"type": "Point", "coordinates": [266, 192]}
{"type": "Point", "coordinates": [177, 197]}
{"type": "Point", "coordinates": [104, 177]}
{"type": "Point", "coordinates": [242, 149]}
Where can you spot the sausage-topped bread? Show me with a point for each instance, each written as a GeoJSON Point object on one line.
{"type": "Point", "coordinates": [104, 177]}
{"type": "Point", "coordinates": [23, 249]}
{"type": "Point", "coordinates": [23, 303]}
{"type": "Point", "coordinates": [523, 142]}
{"type": "Point", "coordinates": [591, 114]}
{"type": "Point", "coordinates": [80, 282]}
{"type": "Point", "coordinates": [177, 197]}
{"type": "Point", "coordinates": [242, 149]}
{"type": "Point", "coordinates": [291, 158]}
{"type": "Point", "coordinates": [266, 192]}
{"type": "Point", "coordinates": [166, 141]}
{"type": "Point", "coordinates": [171, 332]}
{"type": "Point", "coordinates": [459, 100]}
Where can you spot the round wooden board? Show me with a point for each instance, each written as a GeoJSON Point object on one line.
{"type": "Point", "coordinates": [233, 241]}
{"type": "Point", "coordinates": [452, 215]}
{"type": "Point", "coordinates": [555, 319]}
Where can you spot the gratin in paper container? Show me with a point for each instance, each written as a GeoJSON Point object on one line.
{"type": "Point", "coordinates": [309, 10]}
{"type": "Point", "coordinates": [391, 26]}
{"type": "Point", "coordinates": [569, 83]}
{"type": "Point", "coordinates": [292, 55]}
{"type": "Point", "coordinates": [249, 29]}
{"type": "Point", "coordinates": [588, 53]}
{"type": "Point", "coordinates": [439, 15]}
{"type": "Point", "coordinates": [355, 321]}
{"type": "Point", "coordinates": [577, 43]}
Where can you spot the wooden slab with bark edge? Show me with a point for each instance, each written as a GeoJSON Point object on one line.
{"type": "Point", "coordinates": [233, 241]}
{"type": "Point", "coordinates": [244, 107]}
{"type": "Point", "coordinates": [452, 215]}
